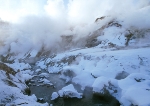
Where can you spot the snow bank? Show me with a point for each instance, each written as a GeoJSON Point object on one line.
{"type": "Point", "coordinates": [12, 93]}
{"type": "Point", "coordinates": [82, 80]}
{"type": "Point", "coordinates": [102, 68]}
{"type": "Point", "coordinates": [136, 96]}
{"type": "Point", "coordinates": [99, 84]}
{"type": "Point", "coordinates": [19, 66]}
{"type": "Point", "coordinates": [135, 89]}
{"type": "Point", "coordinates": [68, 72]}
{"type": "Point", "coordinates": [69, 91]}
{"type": "Point", "coordinates": [54, 96]}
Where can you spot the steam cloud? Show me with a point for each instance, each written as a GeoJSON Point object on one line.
{"type": "Point", "coordinates": [33, 24]}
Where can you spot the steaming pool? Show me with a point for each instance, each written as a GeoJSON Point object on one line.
{"type": "Point", "coordinates": [43, 92]}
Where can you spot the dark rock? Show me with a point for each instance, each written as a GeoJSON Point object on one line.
{"type": "Point", "coordinates": [92, 43]}
{"type": "Point", "coordinates": [121, 75]}
{"type": "Point", "coordinates": [101, 18]}
{"type": "Point", "coordinates": [41, 100]}
{"type": "Point", "coordinates": [6, 58]}
{"type": "Point", "coordinates": [27, 91]}
{"type": "Point", "coordinates": [105, 99]}
{"type": "Point", "coordinates": [10, 83]}
{"type": "Point", "coordinates": [139, 80]}
{"type": "Point", "coordinates": [128, 37]}
{"type": "Point", "coordinates": [69, 59]}
{"type": "Point", "coordinates": [110, 44]}
{"type": "Point", "coordinates": [68, 73]}
{"type": "Point", "coordinates": [7, 69]}
{"type": "Point", "coordinates": [93, 76]}
{"type": "Point", "coordinates": [114, 23]}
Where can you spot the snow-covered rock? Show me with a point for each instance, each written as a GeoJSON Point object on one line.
{"type": "Point", "coordinates": [19, 66]}
{"type": "Point", "coordinates": [38, 70]}
{"type": "Point", "coordinates": [54, 96]}
{"type": "Point", "coordinates": [69, 91]}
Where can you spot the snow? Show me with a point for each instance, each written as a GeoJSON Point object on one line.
{"type": "Point", "coordinates": [33, 53]}
{"type": "Point", "coordinates": [135, 89]}
{"type": "Point", "coordinates": [38, 70]}
{"type": "Point", "coordinates": [82, 80]}
{"type": "Point", "coordinates": [99, 83]}
{"type": "Point", "coordinates": [101, 68]}
{"type": "Point", "coordinates": [114, 35]}
{"type": "Point", "coordinates": [41, 64]}
{"type": "Point", "coordinates": [133, 80]}
{"type": "Point", "coordinates": [54, 96]}
{"type": "Point", "coordinates": [19, 66]}
{"type": "Point", "coordinates": [69, 91]}
{"type": "Point", "coordinates": [103, 83]}
{"type": "Point", "coordinates": [96, 67]}
{"type": "Point", "coordinates": [137, 96]}
{"type": "Point", "coordinates": [68, 72]}
{"type": "Point", "coordinates": [13, 95]}
{"type": "Point", "coordinates": [53, 69]}
{"type": "Point", "coordinates": [45, 81]}
{"type": "Point", "coordinates": [43, 75]}
{"type": "Point", "coordinates": [24, 75]}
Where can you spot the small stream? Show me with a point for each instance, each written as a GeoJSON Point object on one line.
{"type": "Point", "coordinates": [43, 92]}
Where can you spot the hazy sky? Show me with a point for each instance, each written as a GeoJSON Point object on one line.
{"type": "Point", "coordinates": [74, 10]}
{"type": "Point", "coordinates": [71, 10]}
{"type": "Point", "coordinates": [11, 10]}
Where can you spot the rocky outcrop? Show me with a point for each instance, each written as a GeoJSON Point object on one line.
{"type": "Point", "coordinates": [7, 69]}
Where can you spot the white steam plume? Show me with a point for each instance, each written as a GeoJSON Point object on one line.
{"type": "Point", "coordinates": [38, 23]}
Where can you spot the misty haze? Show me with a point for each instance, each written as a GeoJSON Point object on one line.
{"type": "Point", "coordinates": [74, 53]}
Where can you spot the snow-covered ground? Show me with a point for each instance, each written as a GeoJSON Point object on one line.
{"type": "Point", "coordinates": [124, 73]}
{"type": "Point", "coordinates": [12, 90]}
